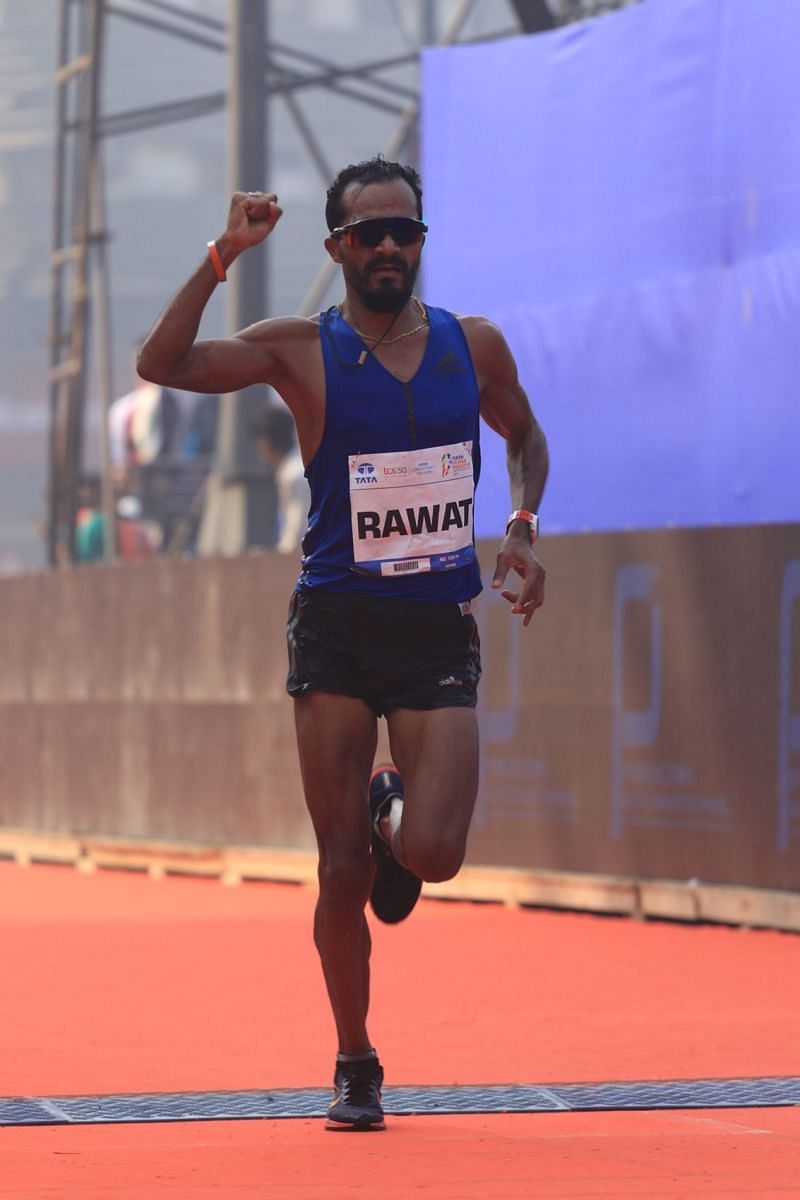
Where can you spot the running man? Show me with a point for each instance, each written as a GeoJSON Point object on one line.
{"type": "Point", "coordinates": [386, 393]}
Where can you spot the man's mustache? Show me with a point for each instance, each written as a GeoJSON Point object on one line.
{"type": "Point", "coordinates": [376, 263]}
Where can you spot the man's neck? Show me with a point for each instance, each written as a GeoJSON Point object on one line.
{"type": "Point", "coordinates": [375, 324]}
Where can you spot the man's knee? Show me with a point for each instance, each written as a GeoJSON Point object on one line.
{"type": "Point", "coordinates": [345, 879]}
{"type": "Point", "coordinates": [434, 860]}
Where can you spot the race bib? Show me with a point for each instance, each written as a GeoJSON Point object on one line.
{"type": "Point", "coordinates": [411, 510]}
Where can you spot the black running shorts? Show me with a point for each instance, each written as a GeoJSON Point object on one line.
{"type": "Point", "coordinates": [390, 653]}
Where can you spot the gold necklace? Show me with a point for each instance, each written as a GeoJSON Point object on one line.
{"type": "Point", "coordinates": [384, 341]}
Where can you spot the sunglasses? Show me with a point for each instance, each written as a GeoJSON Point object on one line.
{"type": "Point", "coordinates": [404, 231]}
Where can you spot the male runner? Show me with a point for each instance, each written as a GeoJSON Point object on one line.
{"type": "Point", "coordinates": [386, 393]}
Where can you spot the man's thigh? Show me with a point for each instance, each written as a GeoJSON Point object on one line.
{"type": "Point", "coordinates": [336, 739]}
{"type": "Point", "coordinates": [436, 752]}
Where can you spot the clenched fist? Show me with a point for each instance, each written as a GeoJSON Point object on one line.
{"type": "Point", "coordinates": [251, 218]}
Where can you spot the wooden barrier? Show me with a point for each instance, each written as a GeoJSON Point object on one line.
{"type": "Point", "coordinates": [234, 865]}
{"type": "Point", "coordinates": [645, 729]}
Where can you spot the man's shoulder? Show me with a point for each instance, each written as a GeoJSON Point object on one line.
{"type": "Point", "coordinates": [483, 335]}
{"type": "Point", "coordinates": [475, 323]}
{"type": "Point", "coordinates": [471, 323]}
{"type": "Point", "coordinates": [284, 329]}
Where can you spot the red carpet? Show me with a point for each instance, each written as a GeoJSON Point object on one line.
{"type": "Point", "coordinates": [115, 983]}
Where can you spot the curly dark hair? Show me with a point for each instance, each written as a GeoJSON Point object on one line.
{"type": "Point", "coordinates": [374, 170]}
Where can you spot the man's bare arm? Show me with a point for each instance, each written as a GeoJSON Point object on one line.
{"type": "Point", "coordinates": [172, 356]}
{"type": "Point", "coordinates": [505, 408]}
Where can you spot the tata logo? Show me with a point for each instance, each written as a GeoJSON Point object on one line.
{"type": "Point", "coordinates": [365, 473]}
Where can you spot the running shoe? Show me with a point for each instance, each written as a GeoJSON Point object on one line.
{"type": "Point", "coordinates": [395, 890]}
{"type": "Point", "coordinates": [357, 1097]}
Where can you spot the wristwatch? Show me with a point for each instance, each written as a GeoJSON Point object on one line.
{"type": "Point", "coordinates": [522, 514]}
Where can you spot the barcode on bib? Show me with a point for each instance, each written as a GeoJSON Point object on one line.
{"type": "Point", "coordinates": [404, 565]}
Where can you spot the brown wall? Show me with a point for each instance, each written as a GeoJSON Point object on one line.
{"type": "Point", "coordinates": [647, 722]}
{"type": "Point", "coordinates": [148, 701]}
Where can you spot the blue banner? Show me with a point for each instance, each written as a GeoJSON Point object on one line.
{"type": "Point", "coordinates": [622, 196]}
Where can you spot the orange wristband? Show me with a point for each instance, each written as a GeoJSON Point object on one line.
{"type": "Point", "coordinates": [216, 262]}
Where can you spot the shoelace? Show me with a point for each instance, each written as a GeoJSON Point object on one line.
{"type": "Point", "coordinates": [360, 1083]}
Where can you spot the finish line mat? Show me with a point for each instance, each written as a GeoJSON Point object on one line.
{"type": "Point", "coordinates": [775, 1092]}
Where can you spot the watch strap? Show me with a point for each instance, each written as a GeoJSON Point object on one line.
{"type": "Point", "coordinates": [522, 514]}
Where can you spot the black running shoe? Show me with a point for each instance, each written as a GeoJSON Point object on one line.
{"type": "Point", "coordinates": [357, 1100]}
{"type": "Point", "coordinates": [395, 890]}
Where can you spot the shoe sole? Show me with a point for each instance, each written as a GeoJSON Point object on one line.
{"type": "Point", "coordinates": [362, 1125]}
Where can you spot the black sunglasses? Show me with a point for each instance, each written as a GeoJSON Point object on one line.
{"type": "Point", "coordinates": [404, 231]}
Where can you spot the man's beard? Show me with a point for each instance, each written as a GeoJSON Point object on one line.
{"type": "Point", "coordinates": [389, 295]}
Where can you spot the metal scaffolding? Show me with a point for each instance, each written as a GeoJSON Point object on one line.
{"type": "Point", "coordinates": [78, 237]}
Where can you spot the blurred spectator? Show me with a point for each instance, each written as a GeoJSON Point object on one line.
{"type": "Point", "coordinates": [137, 540]}
{"type": "Point", "coordinates": [277, 445]}
{"type": "Point", "coordinates": [161, 444]}
{"type": "Point", "coordinates": [200, 439]}
{"type": "Point", "coordinates": [89, 521]}
{"type": "Point", "coordinates": [145, 424]}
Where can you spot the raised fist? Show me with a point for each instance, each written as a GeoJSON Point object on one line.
{"type": "Point", "coordinates": [252, 217]}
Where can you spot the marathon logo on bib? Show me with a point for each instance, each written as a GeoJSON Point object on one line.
{"type": "Point", "coordinates": [411, 510]}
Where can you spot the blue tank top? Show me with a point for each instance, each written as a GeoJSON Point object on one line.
{"type": "Point", "coordinates": [370, 412]}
